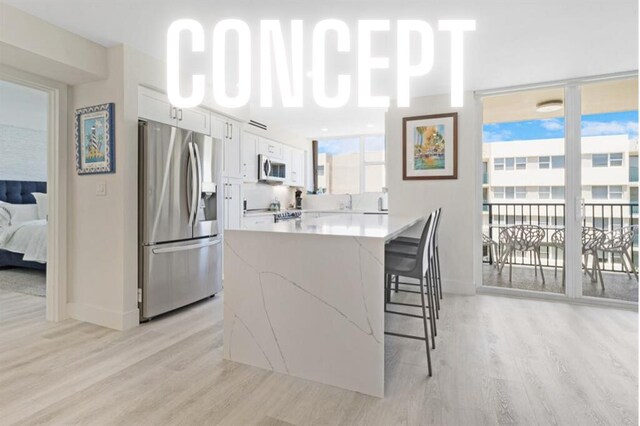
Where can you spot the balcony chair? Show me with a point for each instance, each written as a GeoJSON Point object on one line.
{"type": "Point", "coordinates": [619, 242]}
{"type": "Point", "coordinates": [417, 266]}
{"type": "Point", "coordinates": [521, 238]}
{"type": "Point", "coordinates": [492, 247]}
{"type": "Point", "coordinates": [591, 241]}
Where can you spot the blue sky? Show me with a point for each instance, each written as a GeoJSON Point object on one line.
{"type": "Point", "coordinates": [350, 144]}
{"type": "Point", "coordinates": [613, 123]}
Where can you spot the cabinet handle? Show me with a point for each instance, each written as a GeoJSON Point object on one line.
{"type": "Point", "coordinates": [171, 112]}
{"type": "Point", "coordinates": [180, 114]}
{"type": "Point", "coordinates": [230, 130]}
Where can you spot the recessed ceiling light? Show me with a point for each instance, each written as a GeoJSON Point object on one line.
{"type": "Point", "coordinates": [324, 129]}
{"type": "Point", "coordinates": [549, 106]}
{"type": "Point", "coordinates": [370, 126]}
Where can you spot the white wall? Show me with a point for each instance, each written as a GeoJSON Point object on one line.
{"type": "Point", "coordinates": [456, 197]}
{"type": "Point", "coordinates": [23, 132]}
{"type": "Point", "coordinates": [101, 289]}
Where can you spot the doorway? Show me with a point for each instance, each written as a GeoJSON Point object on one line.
{"type": "Point", "coordinates": [53, 248]}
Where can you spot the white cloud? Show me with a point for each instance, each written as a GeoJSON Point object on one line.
{"type": "Point", "coordinates": [599, 128]}
{"type": "Point", "coordinates": [552, 124]}
{"type": "Point", "coordinates": [496, 136]}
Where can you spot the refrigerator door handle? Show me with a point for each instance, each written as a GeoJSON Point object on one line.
{"type": "Point", "coordinates": [187, 247]}
{"type": "Point", "coordinates": [194, 185]}
{"type": "Point", "coordinates": [199, 172]}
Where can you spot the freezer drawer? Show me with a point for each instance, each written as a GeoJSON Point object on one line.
{"type": "Point", "coordinates": [176, 274]}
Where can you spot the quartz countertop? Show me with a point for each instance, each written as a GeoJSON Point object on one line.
{"type": "Point", "coordinates": [346, 224]}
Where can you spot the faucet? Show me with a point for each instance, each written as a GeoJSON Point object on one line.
{"type": "Point", "coordinates": [350, 205]}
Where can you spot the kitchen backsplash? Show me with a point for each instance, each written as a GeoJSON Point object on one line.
{"type": "Point", "coordinates": [260, 195]}
{"type": "Point", "coordinates": [367, 201]}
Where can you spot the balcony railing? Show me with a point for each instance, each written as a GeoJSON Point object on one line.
{"type": "Point", "coordinates": [551, 217]}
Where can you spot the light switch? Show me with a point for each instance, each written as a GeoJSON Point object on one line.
{"type": "Point", "coordinates": [101, 189]}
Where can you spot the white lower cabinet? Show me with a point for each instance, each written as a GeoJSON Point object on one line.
{"type": "Point", "coordinates": [232, 203]}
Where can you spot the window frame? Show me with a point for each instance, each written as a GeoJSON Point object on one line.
{"type": "Point", "coordinates": [498, 163]}
{"type": "Point", "coordinates": [521, 161]}
{"type": "Point", "coordinates": [547, 162]}
{"type": "Point", "coordinates": [604, 163]}
{"type": "Point", "coordinates": [363, 162]}
{"type": "Point", "coordinates": [611, 159]}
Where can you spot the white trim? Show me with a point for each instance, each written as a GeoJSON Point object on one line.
{"type": "Point", "coordinates": [104, 317]}
{"type": "Point", "coordinates": [555, 83]}
{"type": "Point", "coordinates": [56, 300]}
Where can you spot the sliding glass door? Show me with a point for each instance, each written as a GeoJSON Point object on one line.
{"type": "Point", "coordinates": [609, 189]}
{"type": "Point", "coordinates": [560, 190]}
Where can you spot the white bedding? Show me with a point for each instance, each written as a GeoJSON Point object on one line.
{"type": "Point", "coordinates": [28, 238]}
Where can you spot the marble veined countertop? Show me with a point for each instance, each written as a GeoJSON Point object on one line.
{"type": "Point", "coordinates": [349, 225]}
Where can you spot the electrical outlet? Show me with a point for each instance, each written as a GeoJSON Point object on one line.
{"type": "Point", "coordinates": [101, 189]}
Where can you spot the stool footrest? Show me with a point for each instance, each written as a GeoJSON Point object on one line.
{"type": "Point", "coordinates": [404, 314]}
{"type": "Point", "coordinates": [408, 336]}
{"type": "Point", "coordinates": [405, 304]}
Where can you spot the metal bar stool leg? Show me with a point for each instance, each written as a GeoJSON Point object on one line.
{"type": "Point", "coordinates": [424, 322]}
{"type": "Point", "coordinates": [438, 271]}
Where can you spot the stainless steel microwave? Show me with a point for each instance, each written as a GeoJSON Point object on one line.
{"type": "Point", "coordinates": [271, 169]}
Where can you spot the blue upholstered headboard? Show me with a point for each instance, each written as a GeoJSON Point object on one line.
{"type": "Point", "coordinates": [19, 192]}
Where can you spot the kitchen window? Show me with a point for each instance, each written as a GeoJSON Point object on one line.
{"type": "Point", "coordinates": [351, 165]}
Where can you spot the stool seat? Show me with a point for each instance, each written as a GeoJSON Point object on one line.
{"type": "Point", "coordinates": [402, 249]}
{"type": "Point", "coordinates": [406, 240]}
{"type": "Point", "coordinates": [396, 264]}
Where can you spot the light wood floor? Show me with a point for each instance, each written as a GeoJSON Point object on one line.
{"type": "Point", "coordinates": [497, 361]}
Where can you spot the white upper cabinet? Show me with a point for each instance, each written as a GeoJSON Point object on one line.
{"type": "Point", "coordinates": [296, 168]}
{"type": "Point", "coordinates": [155, 106]}
{"type": "Point", "coordinates": [229, 131]}
{"type": "Point", "coordinates": [249, 155]}
{"type": "Point", "coordinates": [270, 148]}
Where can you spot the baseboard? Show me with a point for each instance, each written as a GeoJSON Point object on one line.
{"type": "Point", "coordinates": [103, 317]}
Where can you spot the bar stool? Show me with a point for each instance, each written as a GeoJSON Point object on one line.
{"type": "Point", "coordinates": [417, 267]}
{"type": "Point", "coordinates": [399, 242]}
{"type": "Point", "coordinates": [407, 247]}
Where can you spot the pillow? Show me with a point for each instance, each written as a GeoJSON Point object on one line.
{"type": "Point", "coordinates": [24, 213]}
{"type": "Point", "coordinates": [6, 213]}
{"type": "Point", "coordinates": [41, 202]}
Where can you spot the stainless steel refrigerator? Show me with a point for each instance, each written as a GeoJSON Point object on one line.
{"type": "Point", "coordinates": [180, 217]}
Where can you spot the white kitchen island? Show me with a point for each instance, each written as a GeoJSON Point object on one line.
{"type": "Point", "coordinates": [306, 298]}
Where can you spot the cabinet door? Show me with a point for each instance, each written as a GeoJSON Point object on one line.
{"type": "Point", "coordinates": [297, 167]}
{"type": "Point", "coordinates": [155, 106]}
{"type": "Point", "coordinates": [255, 221]}
{"type": "Point", "coordinates": [233, 204]}
{"type": "Point", "coordinates": [231, 139]}
{"type": "Point", "coordinates": [270, 148]}
{"type": "Point", "coordinates": [286, 157]}
{"type": "Point", "coordinates": [194, 119]}
{"type": "Point", "coordinates": [249, 156]}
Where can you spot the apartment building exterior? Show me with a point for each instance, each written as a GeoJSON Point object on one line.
{"type": "Point", "coordinates": [523, 182]}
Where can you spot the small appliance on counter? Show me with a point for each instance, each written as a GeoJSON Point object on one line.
{"type": "Point", "coordinates": [280, 217]}
{"type": "Point", "coordinates": [299, 199]}
{"type": "Point", "coordinates": [275, 206]}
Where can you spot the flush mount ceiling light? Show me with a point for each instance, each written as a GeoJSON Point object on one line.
{"type": "Point", "coordinates": [549, 106]}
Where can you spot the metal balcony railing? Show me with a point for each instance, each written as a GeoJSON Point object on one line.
{"type": "Point", "coordinates": [551, 217]}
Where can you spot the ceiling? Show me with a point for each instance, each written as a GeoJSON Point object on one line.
{"type": "Point", "coordinates": [597, 97]}
{"type": "Point", "coordinates": [516, 42]}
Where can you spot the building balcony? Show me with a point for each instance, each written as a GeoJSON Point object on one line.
{"type": "Point", "coordinates": [618, 284]}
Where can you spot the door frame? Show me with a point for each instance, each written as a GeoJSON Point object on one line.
{"type": "Point", "coordinates": [573, 180]}
{"type": "Point", "coordinates": [57, 137]}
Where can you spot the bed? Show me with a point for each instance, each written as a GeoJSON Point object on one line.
{"type": "Point", "coordinates": [23, 244]}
